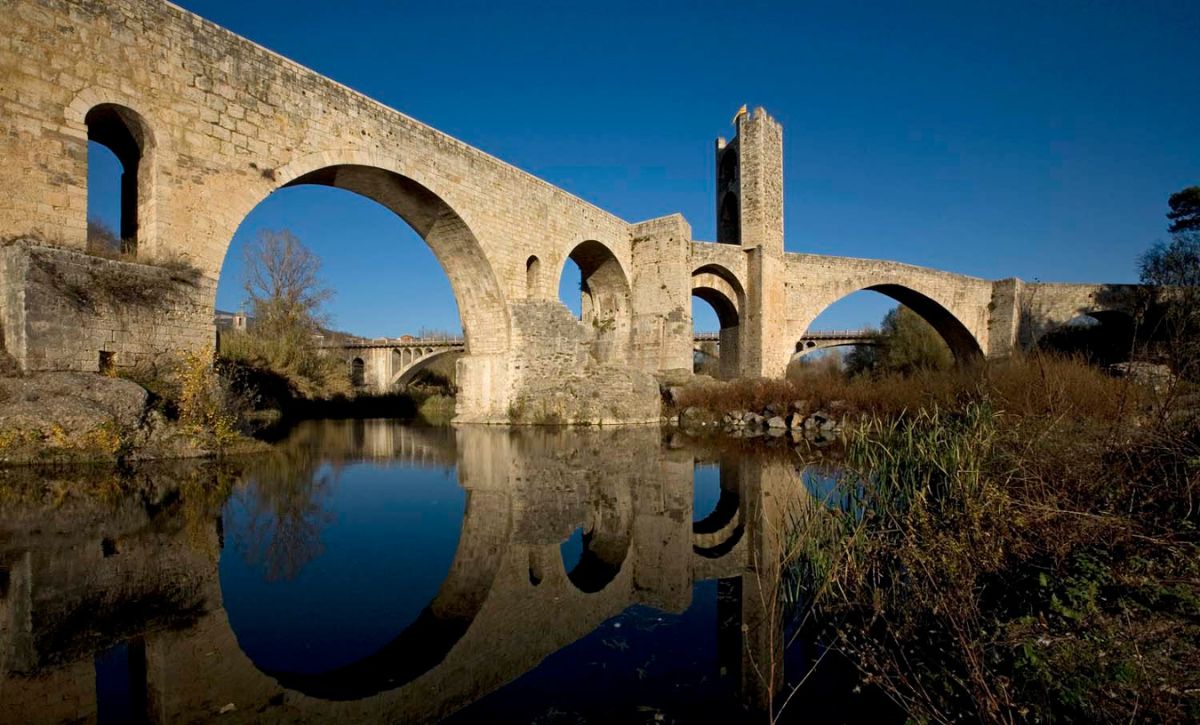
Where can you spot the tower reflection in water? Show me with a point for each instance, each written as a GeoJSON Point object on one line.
{"type": "Point", "coordinates": [368, 570]}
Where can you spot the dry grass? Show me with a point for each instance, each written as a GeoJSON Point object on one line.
{"type": "Point", "coordinates": [1020, 545]}
{"type": "Point", "coordinates": [1038, 385]}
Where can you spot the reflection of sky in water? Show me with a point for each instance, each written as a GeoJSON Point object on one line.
{"type": "Point", "coordinates": [386, 537]}
{"type": "Point", "coordinates": [661, 661]}
{"type": "Point", "coordinates": [572, 549]}
{"type": "Point", "coordinates": [706, 490]}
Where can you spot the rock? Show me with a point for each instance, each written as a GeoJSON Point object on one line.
{"type": "Point", "coordinates": [794, 420]}
{"type": "Point", "coordinates": [777, 422]}
{"type": "Point", "coordinates": [1154, 375]}
{"type": "Point", "coordinates": [772, 409]}
{"type": "Point", "coordinates": [675, 377]}
{"type": "Point", "coordinates": [77, 403]}
{"type": "Point", "coordinates": [751, 419]}
{"type": "Point", "coordinates": [671, 394]}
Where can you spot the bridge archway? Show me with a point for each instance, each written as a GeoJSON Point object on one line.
{"type": "Point", "coordinates": [127, 135]}
{"type": "Point", "coordinates": [720, 289]}
{"type": "Point", "coordinates": [401, 188]}
{"type": "Point", "coordinates": [1101, 336]}
{"type": "Point", "coordinates": [962, 343]}
{"type": "Point", "coordinates": [407, 375]}
{"type": "Point", "coordinates": [607, 535]}
{"type": "Point", "coordinates": [605, 300]}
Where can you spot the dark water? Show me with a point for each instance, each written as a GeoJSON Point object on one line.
{"type": "Point", "coordinates": [370, 571]}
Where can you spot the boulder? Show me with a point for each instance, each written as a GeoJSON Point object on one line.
{"type": "Point", "coordinates": [777, 422]}
{"type": "Point", "coordinates": [73, 403]}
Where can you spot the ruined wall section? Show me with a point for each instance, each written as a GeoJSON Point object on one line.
{"type": "Point", "coordinates": [556, 379]}
{"type": "Point", "coordinates": [66, 310]}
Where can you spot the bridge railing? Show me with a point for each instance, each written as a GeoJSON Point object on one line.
{"type": "Point", "coordinates": [448, 341]}
{"type": "Point", "coordinates": [839, 334]}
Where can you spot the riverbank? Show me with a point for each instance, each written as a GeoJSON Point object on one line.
{"type": "Point", "coordinates": [1014, 544]}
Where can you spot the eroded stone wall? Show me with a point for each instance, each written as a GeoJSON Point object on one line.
{"type": "Point", "coordinates": [66, 310]}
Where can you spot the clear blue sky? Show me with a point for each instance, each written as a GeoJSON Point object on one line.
{"type": "Point", "coordinates": [1039, 140]}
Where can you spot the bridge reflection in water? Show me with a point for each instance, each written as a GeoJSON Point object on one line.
{"type": "Point", "coordinates": [137, 565]}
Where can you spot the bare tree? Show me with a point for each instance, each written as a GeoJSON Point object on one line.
{"type": "Point", "coordinates": [283, 284]}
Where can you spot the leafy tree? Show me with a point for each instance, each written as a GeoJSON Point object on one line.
{"type": "Point", "coordinates": [1172, 272]}
{"type": "Point", "coordinates": [861, 360]}
{"type": "Point", "coordinates": [1185, 210]}
{"type": "Point", "coordinates": [911, 344]}
{"type": "Point", "coordinates": [907, 344]}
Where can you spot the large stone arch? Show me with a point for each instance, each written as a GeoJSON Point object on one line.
{"type": "Point", "coordinates": [432, 213]}
{"type": "Point", "coordinates": [962, 343]}
{"type": "Point", "coordinates": [441, 220]}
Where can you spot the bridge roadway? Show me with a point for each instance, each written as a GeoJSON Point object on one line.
{"type": "Point", "coordinates": [506, 603]}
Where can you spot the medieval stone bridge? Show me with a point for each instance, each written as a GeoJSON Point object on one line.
{"type": "Point", "coordinates": [208, 124]}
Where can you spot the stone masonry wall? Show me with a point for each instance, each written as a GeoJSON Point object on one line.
{"type": "Point", "coordinates": [60, 309]}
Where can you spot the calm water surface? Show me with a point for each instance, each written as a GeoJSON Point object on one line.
{"type": "Point", "coordinates": [373, 571]}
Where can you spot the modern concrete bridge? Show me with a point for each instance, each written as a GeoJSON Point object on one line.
{"type": "Point", "coordinates": [208, 124]}
{"type": "Point", "coordinates": [384, 364]}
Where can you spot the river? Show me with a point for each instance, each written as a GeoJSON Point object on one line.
{"type": "Point", "coordinates": [377, 571]}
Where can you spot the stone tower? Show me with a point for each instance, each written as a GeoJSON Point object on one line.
{"type": "Point", "coordinates": [750, 214]}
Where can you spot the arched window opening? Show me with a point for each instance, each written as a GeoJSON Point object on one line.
{"type": "Point", "coordinates": [357, 371]}
{"type": "Point", "coordinates": [118, 179]}
{"type": "Point", "coordinates": [594, 287]}
{"type": "Point", "coordinates": [729, 226]}
{"type": "Point", "coordinates": [533, 272]}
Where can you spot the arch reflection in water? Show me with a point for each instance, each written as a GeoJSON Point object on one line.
{"type": "Point", "coordinates": [435, 649]}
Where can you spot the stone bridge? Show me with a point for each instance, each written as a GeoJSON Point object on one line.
{"type": "Point", "coordinates": [208, 124]}
{"type": "Point", "coordinates": [76, 575]}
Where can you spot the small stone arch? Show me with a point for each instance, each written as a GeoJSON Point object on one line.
{"type": "Point", "coordinates": [358, 372]}
{"type": "Point", "coordinates": [607, 535]}
{"type": "Point", "coordinates": [606, 300]}
{"type": "Point", "coordinates": [405, 376]}
{"type": "Point", "coordinates": [719, 287]}
{"type": "Point", "coordinates": [533, 277]}
{"type": "Point", "coordinates": [718, 532]}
